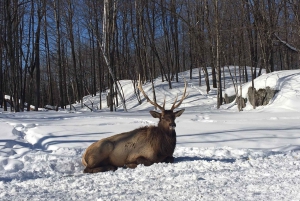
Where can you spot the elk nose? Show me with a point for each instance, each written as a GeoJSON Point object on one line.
{"type": "Point", "coordinates": [172, 126]}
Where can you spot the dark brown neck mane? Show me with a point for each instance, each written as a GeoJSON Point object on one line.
{"type": "Point", "coordinates": [163, 141]}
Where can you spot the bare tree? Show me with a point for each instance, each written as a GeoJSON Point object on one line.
{"type": "Point", "coordinates": [56, 9]}
{"type": "Point", "coordinates": [109, 16]}
{"type": "Point", "coordinates": [217, 50]}
{"type": "Point", "coordinates": [54, 52]}
{"type": "Point", "coordinates": [41, 6]}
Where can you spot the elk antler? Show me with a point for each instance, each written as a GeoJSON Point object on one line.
{"type": "Point", "coordinates": [182, 98]}
{"type": "Point", "coordinates": [145, 95]}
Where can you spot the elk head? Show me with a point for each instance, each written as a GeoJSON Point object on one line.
{"type": "Point", "coordinates": [166, 117]}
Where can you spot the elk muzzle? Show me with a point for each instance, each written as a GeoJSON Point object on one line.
{"type": "Point", "coordinates": [172, 126]}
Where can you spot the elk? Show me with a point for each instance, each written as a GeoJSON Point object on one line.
{"type": "Point", "coordinates": [145, 145]}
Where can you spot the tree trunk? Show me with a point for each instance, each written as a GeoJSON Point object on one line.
{"type": "Point", "coordinates": [108, 31]}
{"type": "Point", "coordinates": [57, 16]}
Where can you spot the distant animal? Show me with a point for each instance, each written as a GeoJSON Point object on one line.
{"type": "Point", "coordinates": [145, 145]}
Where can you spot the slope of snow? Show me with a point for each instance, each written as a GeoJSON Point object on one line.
{"type": "Point", "coordinates": [220, 155]}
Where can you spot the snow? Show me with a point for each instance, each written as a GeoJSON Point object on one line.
{"type": "Point", "coordinates": [221, 154]}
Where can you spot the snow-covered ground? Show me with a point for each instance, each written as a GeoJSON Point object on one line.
{"type": "Point", "coordinates": [220, 155]}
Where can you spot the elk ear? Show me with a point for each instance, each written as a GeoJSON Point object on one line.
{"type": "Point", "coordinates": [155, 114]}
{"type": "Point", "coordinates": [178, 113]}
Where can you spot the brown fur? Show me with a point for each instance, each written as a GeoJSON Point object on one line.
{"type": "Point", "coordinates": [145, 145]}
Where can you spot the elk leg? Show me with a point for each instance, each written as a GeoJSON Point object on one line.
{"type": "Point", "coordinates": [139, 160]}
{"type": "Point", "coordinates": [144, 161]}
{"type": "Point", "coordinates": [131, 165]}
{"type": "Point", "coordinates": [169, 159]}
{"type": "Point", "coordinates": [100, 169]}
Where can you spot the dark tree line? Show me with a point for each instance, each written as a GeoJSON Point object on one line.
{"type": "Point", "coordinates": [55, 52]}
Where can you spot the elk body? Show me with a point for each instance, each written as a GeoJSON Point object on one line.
{"type": "Point", "coordinates": [145, 145]}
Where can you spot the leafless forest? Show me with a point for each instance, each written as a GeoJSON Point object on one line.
{"type": "Point", "coordinates": [54, 52]}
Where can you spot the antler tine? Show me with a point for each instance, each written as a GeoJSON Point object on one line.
{"type": "Point", "coordinates": [145, 95]}
{"type": "Point", "coordinates": [182, 98]}
{"type": "Point", "coordinates": [172, 108]}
